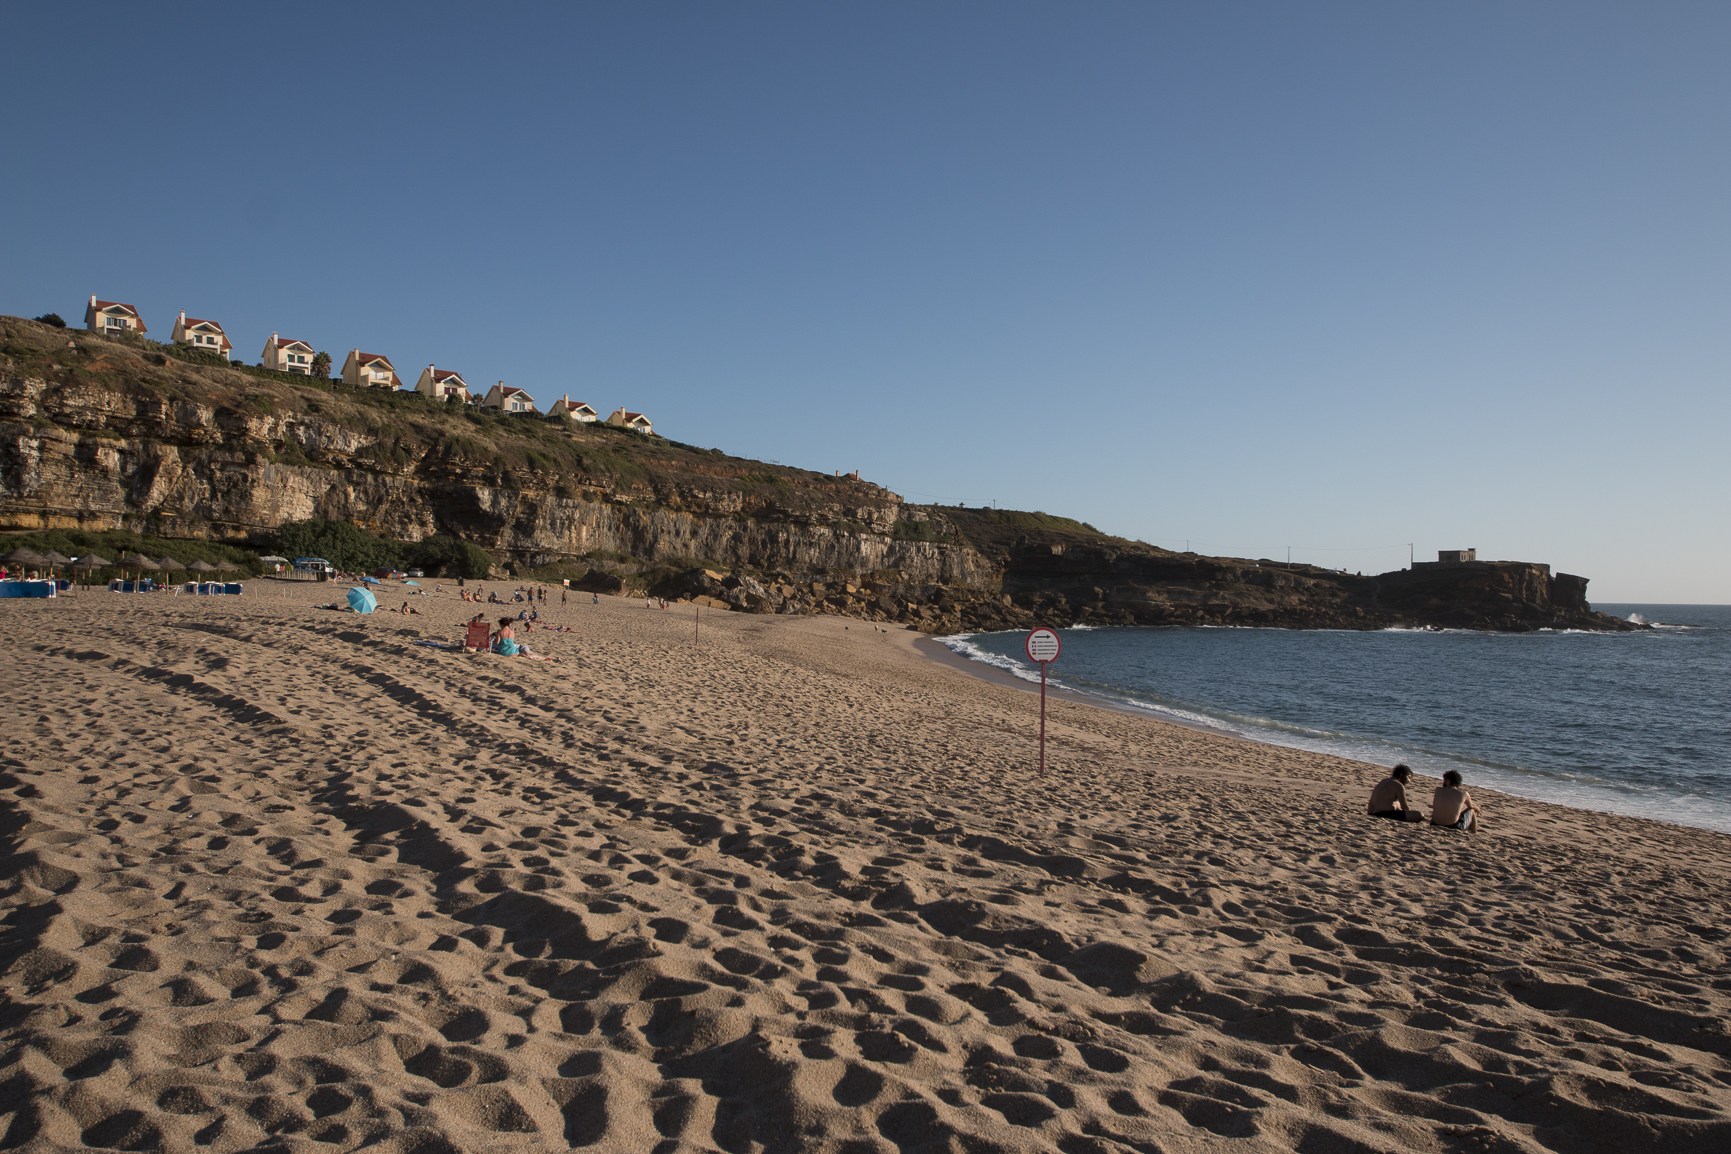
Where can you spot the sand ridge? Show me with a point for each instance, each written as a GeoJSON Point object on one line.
{"type": "Point", "coordinates": [284, 878]}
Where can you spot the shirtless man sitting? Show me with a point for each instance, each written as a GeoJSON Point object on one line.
{"type": "Point", "coordinates": [1389, 798]}
{"type": "Point", "coordinates": [1452, 806]}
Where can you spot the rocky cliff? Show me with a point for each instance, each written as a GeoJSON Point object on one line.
{"type": "Point", "coordinates": [100, 433]}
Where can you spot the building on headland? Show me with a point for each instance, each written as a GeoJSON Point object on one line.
{"type": "Point", "coordinates": [1454, 559]}
{"type": "Point", "coordinates": [112, 318]}
{"type": "Point", "coordinates": [370, 370]}
{"type": "Point", "coordinates": [505, 398]}
{"type": "Point", "coordinates": [205, 336]}
{"type": "Point", "coordinates": [566, 409]}
{"type": "Point", "coordinates": [442, 384]}
{"type": "Point", "coordinates": [287, 356]}
{"type": "Point", "coordinates": [636, 422]}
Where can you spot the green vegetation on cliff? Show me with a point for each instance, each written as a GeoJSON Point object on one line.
{"type": "Point", "coordinates": [358, 551]}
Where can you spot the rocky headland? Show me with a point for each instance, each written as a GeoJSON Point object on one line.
{"type": "Point", "coordinates": [121, 433]}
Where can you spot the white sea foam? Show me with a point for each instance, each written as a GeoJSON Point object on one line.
{"type": "Point", "coordinates": [961, 645]}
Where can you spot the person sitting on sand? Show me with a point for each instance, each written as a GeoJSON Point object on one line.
{"type": "Point", "coordinates": [1453, 807]}
{"type": "Point", "coordinates": [1389, 798]}
{"type": "Point", "coordinates": [505, 640]}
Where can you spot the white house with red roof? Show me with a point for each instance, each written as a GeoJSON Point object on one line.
{"type": "Point", "coordinates": [636, 422]}
{"type": "Point", "coordinates": [205, 336]}
{"type": "Point", "coordinates": [370, 370]}
{"type": "Point", "coordinates": [441, 384]}
{"type": "Point", "coordinates": [566, 409]}
{"type": "Point", "coordinates": [287, 356]}
{"type": "Point", "coordinates": [508, 399]}
{"type": "Point", "coordinates": [112, 318]}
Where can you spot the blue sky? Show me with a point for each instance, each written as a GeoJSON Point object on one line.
{"type": "Point", "coordinates": [1338, 277]}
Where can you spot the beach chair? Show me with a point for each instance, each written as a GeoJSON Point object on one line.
{"type": "Point", "coordinates": [479, 637]}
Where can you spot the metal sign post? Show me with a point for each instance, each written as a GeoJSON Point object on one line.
{"type": "Point", "coordinates": [1043, 648]}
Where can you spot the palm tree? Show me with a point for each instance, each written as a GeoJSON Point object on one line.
{"type": "Point", "coordinates": [322, 366]}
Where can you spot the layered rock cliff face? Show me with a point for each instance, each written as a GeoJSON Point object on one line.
{"type": "Point", "coordinates": [98, 433]}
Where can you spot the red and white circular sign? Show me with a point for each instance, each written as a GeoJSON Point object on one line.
{"type": "Point", "coordinates": [1043, 645]}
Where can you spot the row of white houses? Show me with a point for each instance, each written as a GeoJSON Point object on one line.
{"type": "Point", "coordinates": [361, 370]}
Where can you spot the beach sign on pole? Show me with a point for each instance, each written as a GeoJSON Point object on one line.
{"type": "Point", "coordinates": [1043, 648]}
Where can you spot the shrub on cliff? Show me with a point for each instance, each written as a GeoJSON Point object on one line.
{"type": "Point", "coordinates": [354, 549]}
{"type": "Point", "coordinates": [338, 542]}
{"type": "Point", "coordinates": [449, 557]}
{"type": "Point", "coordinates": [53, 319]}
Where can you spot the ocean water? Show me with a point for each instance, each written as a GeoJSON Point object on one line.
{"type": "Point", "coordinates": [1631, 723]}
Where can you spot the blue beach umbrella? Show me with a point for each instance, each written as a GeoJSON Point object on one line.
{"type": "Point", "coordinates": [362, 600]}
{"type": "Point", "coordinates": [370, 580]}
{"type": "Point", "coordinates": [416, 584]}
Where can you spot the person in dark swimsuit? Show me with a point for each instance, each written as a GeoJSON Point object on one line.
{"type": "Point", "coordinates": [1389, 798]}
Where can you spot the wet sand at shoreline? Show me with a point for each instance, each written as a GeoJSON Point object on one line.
{"type": "Point", "coordinates": [292, 879]}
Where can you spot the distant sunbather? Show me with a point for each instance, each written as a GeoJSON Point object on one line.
{"type": "Point", "coordinates": [1389, 798]}
{"type": "Point", "coordinates": [1453, 807]}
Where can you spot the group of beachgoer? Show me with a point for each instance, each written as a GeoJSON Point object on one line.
{"type": "Point", "coordinates": [523, 593]}
{"type": "Point", "coordinates": [1451, 807]}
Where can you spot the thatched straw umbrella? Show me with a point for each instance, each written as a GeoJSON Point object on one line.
{"type": "Point", "coordinates": [170, 565]}
{"type": "Point", "coordinates": [24, 556]}
{"type": "Point", "coordinates": [91, 562]}
{"type": "Point", "coordinates": [139, 562]}
{"type": "Point", "coordinates": [202, 566]}
{"type": "Point", "coordinates": [55, 561]}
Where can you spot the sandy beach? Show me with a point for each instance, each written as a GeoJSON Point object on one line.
{"type": "Point", "coordinates": [289, 879]}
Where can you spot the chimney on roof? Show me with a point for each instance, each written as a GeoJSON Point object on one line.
{"type": "Point", "coordinates": [92, 300]}
{"type": "Point", "coordinates": [183, 316]}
